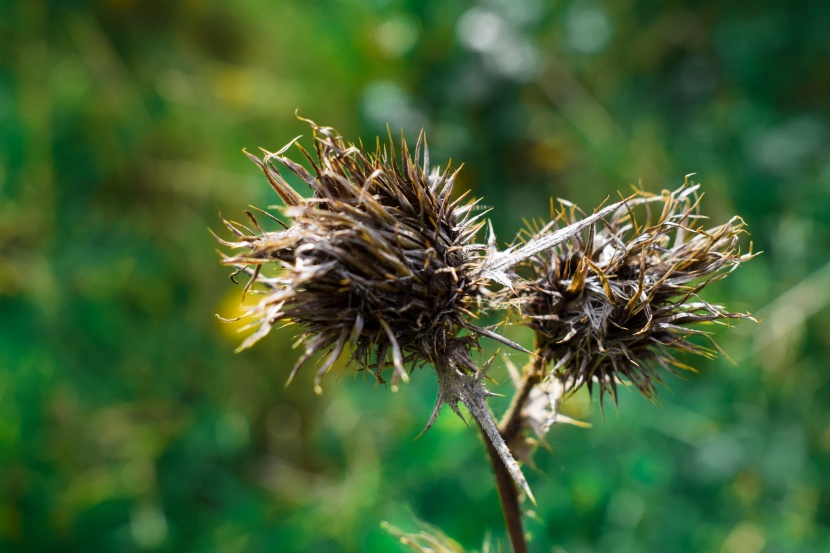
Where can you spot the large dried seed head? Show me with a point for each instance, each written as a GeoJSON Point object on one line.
{"type": "Point", "coordinates": [379, 256]}
{"type": "Point", "coordinates": [615, 306]}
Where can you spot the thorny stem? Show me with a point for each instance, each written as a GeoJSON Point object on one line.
{"type": "Point", "coordinates": [508, 497]}
{"type": "Point", "coordinates": [454, 387]}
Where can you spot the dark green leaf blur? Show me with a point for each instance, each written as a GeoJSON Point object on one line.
{"type": "Point", "coordinates": [127, 423]}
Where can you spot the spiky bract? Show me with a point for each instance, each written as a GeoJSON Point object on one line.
{"type": "Point", "coordinates": [379, 255]}
{"type": "Point", "coordinates": [615, 306]}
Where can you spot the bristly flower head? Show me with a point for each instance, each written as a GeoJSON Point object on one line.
{"type": "Point", "coordinates": [379, 256]}
{"type": "Point", "coordinates": [615, 307]}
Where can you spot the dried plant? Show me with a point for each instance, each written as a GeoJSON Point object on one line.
{"type": "Point", "coordinates": [379, 256]}
{"type": "Point", "coordinates": [428, 539]}
{"type": "Point", "coordinates": [382, 259]}
{"type": "Point", "coordinates": [617, 305]}
{"type": "Point", "coordinates": [615, 308]}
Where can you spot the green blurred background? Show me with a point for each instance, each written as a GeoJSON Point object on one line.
{"type": "Point", "coordinates": [128, 424]}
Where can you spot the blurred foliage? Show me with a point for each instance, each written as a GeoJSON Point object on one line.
{"type": "Point", "coordinates": [127, 423]}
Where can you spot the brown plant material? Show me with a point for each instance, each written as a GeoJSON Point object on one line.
{"type": "Point", "coordinates": [616, 306]}
{"type": "Point", "coordinates": [379, 256]}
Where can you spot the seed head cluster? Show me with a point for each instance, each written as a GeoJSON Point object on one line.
{"type": "Point", "coordinates": [615, 306]}
{"type": "Point", "coordinates": [382, 261]}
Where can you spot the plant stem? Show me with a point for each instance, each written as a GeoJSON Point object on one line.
{"type": "Point", "coordinates": [508, 497]}
{"type": "Point", "coordinates": [511, 422]}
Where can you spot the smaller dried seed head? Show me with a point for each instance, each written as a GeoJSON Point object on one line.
{"type": "Point", "coordinates": [616, 306]}
{"type": "Point", "coordinates": [379, 256]}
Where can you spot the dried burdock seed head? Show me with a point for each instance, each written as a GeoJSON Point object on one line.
{"type": "Point", "coordinates": [380, 256]}
{"type": "Point", "coordinates": [615, 307]}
